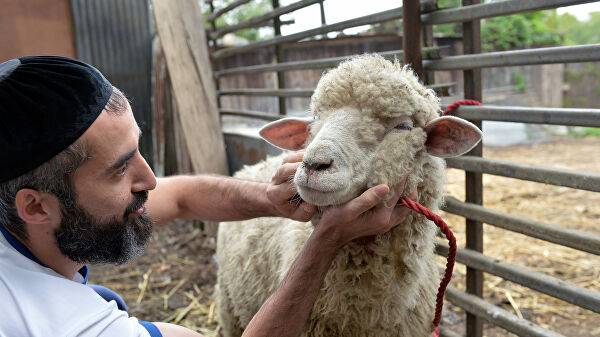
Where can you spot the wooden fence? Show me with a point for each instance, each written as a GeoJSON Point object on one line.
{"type": "Point", "coordinates": [418, 19]}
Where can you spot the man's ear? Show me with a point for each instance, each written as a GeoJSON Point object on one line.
{"type": "Point", "coordinates": [37, 207]}
{"type": "Point", "coordinates": [287, 133]}
{"type": "Point", "coordinates": [450, 136]}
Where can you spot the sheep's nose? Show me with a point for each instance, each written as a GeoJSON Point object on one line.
{"type": "Point", "coordinates": [317, 165]}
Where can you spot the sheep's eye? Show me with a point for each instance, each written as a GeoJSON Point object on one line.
{"type": "Point", "coordinates": [404, 126]}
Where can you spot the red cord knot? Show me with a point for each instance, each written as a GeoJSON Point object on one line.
{"type": "Point", "coordinates": [456, 104]}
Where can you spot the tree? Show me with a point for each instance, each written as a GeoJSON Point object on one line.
{"type": "Point", "coordinates": [242, 13]}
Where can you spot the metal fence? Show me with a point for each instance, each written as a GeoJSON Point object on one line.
{"type": "Point", "coordinates": [420, 17]}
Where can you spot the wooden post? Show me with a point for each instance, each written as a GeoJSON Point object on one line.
{"type": "Point", "coordinates": [322, 8]}
{"type": "Point", "coordinates": [428, 41]}
{"type": "Point", "coordinates": [179, 25]}
{"type": "Point", "coordinates": [473, 181]}
{"type": "Point", "coordinates": [279, 58]}
{"type": "Point", "coordinates": [411, 35]}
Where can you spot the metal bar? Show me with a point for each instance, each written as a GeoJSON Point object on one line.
{"type": "Point", "coordinates": [267, 92]}
{"type": "Point", "coordinates": [322, 10]}
{"type": "Point", "coordinates": [496, 316]}
{"type": "Point", "coordinates": [569, 54]}
{"type": "Point", "coordinates": [473, 180]}
{"type": "Point", "coordinates": [429, 52]}
{"type": "Point", "coordinates": [278, 58]}
{"type": "Point", "coordinates": [439, 88]}
{"type": "Point", "coordinates": [588, 181]}
{"type": "Point", "coordinates": [249, 114]}
{"type": "Point", "coordinates": [491, 9]}
{"type": "Point", "coordinates": [231, 6]}
{"type": "Point", "coordinates": [392, 14]}
{"type": "Point", "coordinates": [275, 13]}
{"type": "Point", "coordinates": [553, 116]}
{"type": "Point", "coordinates": [575, 239]}
{"type": "Point", "coordinates": [411, 36]}
{"type": "Point", "coordinates": [545, 284]}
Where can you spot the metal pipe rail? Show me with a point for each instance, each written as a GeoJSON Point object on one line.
{"type": "Point", "coordinates": [430, 52]}
{"type": "Point", "coordinates": [212, 17]}
{"type": "Point", "coordinates": [570, 54]}
{"type": "Point", "coordinates": [257, 20]}
{"type": "Point", "coordinates": [249, 114]}
{"type": "Point", "coordinates": [497, 8]}
{"type": "Point", "coordinates": [440, 89]}
{"type": "Point", "coordinates": [496, 316]}
{"type": "Point", "coordinates": [392, 14]}
{"type": "Point", "coordinates": [575, 239]}
{"type": "Point", "coordinates": [552, 116]}
{"type": "Point", "coordinates": [584, 181]}
{"type": "Point", "coordinates": [526, 277]}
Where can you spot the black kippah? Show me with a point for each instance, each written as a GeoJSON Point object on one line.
{"type": "Point", "coordinates": [46, 104]}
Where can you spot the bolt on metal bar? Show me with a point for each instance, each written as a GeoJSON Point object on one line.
{"type": "Point", "coordinates": [545, 284]}
{"type": "Point", "coordinates": [497, 316]}
{"type": "Point", "coordinates": [588, 181]}
{"type": "Point", "coordinates": [491, 9]}
{"type": "Point", "coordinates": [552, 116]}
{"type": "Point", "coordinates": [275, 13]}
{"type": "Point", "coordinates": [429, 53]}
{"type": "Point", "coordinates": [575, 239]}
{"type": "Point", "coordinates": [230, 7]}
{"type": "Point", "coordinates": [569, 54]}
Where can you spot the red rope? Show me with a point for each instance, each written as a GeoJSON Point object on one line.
{"type": "Point", "coordinates": [439, 302]}
{"type": "Point", "coordinates": [456, 104]}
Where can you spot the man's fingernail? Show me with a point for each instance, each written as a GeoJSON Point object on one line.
{"type": "Point", "coordinates": [382, 190]}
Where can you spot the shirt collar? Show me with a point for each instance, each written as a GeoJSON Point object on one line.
{"type": "Point", "coordinates": [23, 250]}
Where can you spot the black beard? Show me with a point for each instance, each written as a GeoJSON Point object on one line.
{"type": "Point", "coordinates": [85, 239]}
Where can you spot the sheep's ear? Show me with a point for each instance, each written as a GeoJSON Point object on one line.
{"type": "Point", "coordinates": [450, 136]}
{"type": "Point", "coordinates": [287, 133]}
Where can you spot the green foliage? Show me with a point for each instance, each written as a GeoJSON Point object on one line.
{"type": "Point", "coordinates": [579, 32]}
{"type": "Point", "coordinates": [520, 81]}
{"type": "Point", "coordinates": [525, 30]}
{"type": "Point", "coordinates": [594, 132]}
{"type": "Point", "coordinates": [243, 13]}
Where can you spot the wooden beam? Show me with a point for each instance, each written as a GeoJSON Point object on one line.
{"type": "Point", "coordinates": [183, 37]}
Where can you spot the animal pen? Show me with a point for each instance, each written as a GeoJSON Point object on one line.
{"type": "Point", "coordinates": [418, 50]}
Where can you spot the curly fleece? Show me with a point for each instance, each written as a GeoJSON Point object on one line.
{"type": "Point", "coordinates": [384, 289]}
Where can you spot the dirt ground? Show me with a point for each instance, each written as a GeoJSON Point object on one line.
{"type": "Point", "coordinates": [174, 280]}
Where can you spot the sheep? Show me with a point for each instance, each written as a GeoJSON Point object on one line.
{"type": "Point", "coordinates": [373, 123]}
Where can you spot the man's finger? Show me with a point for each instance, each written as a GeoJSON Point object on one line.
{"type": "Point", "coordinates": [369, 199]}
{"type": "Point", "coordinates": [399, 214]}
{"type": "Point", "coordinates": [284, 173]}
{"type": "Point", "coordinates": [294, 157]}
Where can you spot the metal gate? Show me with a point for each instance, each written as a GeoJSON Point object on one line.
{"type": "Point", "coordinates": [420, 17]}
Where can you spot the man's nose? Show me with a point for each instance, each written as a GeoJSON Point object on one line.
{"type": "Point", "coordinates": [146, 180]}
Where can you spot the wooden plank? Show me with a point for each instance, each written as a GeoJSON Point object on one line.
{"type": "Point", "coordinates": [179, 25]}
{"type": "Point", "coordinates": [411, 36]}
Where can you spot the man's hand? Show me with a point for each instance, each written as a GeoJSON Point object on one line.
{"type": "Point", "coordinates": [282, 193]}
{"type": "Point", "coordinates": [365, 215]}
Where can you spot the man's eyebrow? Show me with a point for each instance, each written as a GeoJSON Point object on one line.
{"type": "Point", "coordinates": [122, 160]}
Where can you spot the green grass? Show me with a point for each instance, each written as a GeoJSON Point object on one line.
{"type": "Point", "coordinates": [594, 132]}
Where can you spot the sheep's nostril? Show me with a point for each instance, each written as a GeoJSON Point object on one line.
{"type": "Point", "coordinates": [318, 166]}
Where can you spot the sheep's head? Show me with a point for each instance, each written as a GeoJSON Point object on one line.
{"type": "Point", "coordinates": [371, 120]}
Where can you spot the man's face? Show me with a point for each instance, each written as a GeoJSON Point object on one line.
{"type": "Point", "coordinates": [107, 222]}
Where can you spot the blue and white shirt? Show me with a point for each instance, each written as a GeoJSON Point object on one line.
{"type": "Point", "coordinates": [38, 302]}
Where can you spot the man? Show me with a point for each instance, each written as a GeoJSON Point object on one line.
{"type": "Point", "coordinates": [74, 189]}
